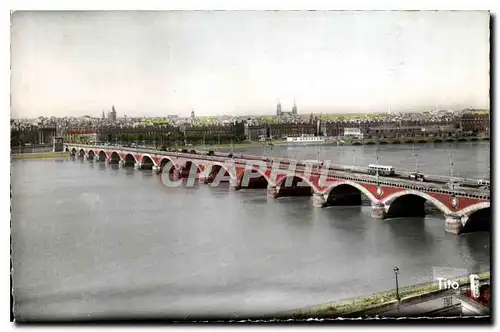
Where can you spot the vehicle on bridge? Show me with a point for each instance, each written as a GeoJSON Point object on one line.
{"type": "Point", "coordinates": [381, 170]}
{"type": "Point", "coordinates": [417, 177]}
{"type": "Point", "coordinates": [484, 183]}
{"type": "Point", "coordinates": [313, 162]}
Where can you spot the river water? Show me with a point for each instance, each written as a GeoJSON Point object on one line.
{"type": "Point", "coordinates": [95, 240]}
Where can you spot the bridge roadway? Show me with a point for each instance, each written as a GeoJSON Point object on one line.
{"type": "Point", "coordinates": [394, 196]}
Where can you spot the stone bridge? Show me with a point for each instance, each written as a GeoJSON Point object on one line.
{"type": "Point", "coordinates": [464, 210]}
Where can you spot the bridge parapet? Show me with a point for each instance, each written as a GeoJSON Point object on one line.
{"type": "Point", "coordinates": [299, 167]}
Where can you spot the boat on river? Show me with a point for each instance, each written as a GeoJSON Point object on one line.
{"type": "Point", "coordinates": [305, 139]}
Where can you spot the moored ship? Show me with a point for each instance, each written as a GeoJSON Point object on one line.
{"type": "Point", "coordinates": [306, 139]}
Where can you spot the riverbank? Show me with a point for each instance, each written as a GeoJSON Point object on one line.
{"type": "Point", "coordinates": [43, 155]}
{"type": "Point", "coordinates": [238, 145]}
{"type": "Point", "coordinates": [422, 140]}
{"type": "Point", "coordinates": [411, 140]}
{"type": "Point", "coordinates": [362, 305]}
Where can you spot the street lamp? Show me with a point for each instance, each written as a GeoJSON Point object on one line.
{"type": "Point", "coordinates": [232, 149]}
{"type": "Point", "coordinates": [452, 184]}
{"type": "Point", "coordinates": [378, 179]}
{"type": "Point", "coordinates": [416, 163]}
{"type": "Point", "coordinates": [396, 271]}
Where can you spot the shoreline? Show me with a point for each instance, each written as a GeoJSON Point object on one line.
{"type": "Point", "coordinates": [270, 144]}
{"type": "Point", "coordinates": [40, 155]}
{"type": "Point", "coordinates": [360, 305]}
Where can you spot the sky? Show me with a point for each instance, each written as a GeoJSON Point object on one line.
{"type": "Point", "coordinates": [236, 63]}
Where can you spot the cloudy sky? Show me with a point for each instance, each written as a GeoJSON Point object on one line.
{"type": "Point", "coordinates": [160, 63]}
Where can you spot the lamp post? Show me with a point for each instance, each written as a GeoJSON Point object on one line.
{"type": "Point", "coordinates": [452, 184]}
{"type": "Point", "coordinates": [416, 159]}
{"type": "Point", "coordinates": [354, 156]}
{"type": "Point", "coordinates": [396, 271]}
{"type": "Point", "coordinates": [232, 149]}
{"type": "Point", "coordinates": [378, 180]}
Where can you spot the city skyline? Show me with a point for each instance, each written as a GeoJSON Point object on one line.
{"type": "Point", "coordinates": [242, 63]}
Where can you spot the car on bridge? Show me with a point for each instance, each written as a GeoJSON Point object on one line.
{"type": "Point", "coordinates": [416, 177]}
{"type": "Point", "coordinates": [483, 183]}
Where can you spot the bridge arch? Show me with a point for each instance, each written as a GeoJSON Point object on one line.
{"type": "Point", "coordinates": [91, 153]}
{"type": "Point", "coordinates": [147, 162]}
{"type": "Point", "coordinates": [477, 218]}
{"type": "Point", "coordinates": [114, 158]}
{"type": "Point", "coordinates": [220, 172]}
{"type": "Point", "coordinates": [190, 169]}
{"type": "Point", "coordinates": [168, 168]}
{"type": "Point", "coordinates": [294, 185]}
{"type": "Point", "coordinates": [474, 208]}
{"type": "Point", "coordinates": [347, 193]}
{"type": "Point", "coordinates": [165, 160]}
{"type": "Point", "coordinates": [410, 203]}
{"type": "Point", "coordinates": [247, 179]}
{"type": "Point", "coordinates": [129, 160]}
{"type": "Point", "coordinates": [148, 159]}
{"type": "Point", "coordinates": [102, 156]}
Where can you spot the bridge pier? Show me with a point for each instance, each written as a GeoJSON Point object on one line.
{"type": "Point", "coordinates": [378, 211]}
{"type": "Point", "coordinates": [319, 200]}
{"type": "Point", "coordinates": [156, 169]}
{"type": "Point", "coordinates": [272, 191]}
{"type": "Point", "coordinates": [233, 184]}
{"type": "Point", "coordinates": [204, 177]}
{"type": "Point", "coordinates": [137, 166]}
{"type": "Point", "coordinates": [90, 157]}
{"type": "Point", "coordinates": [453, 223]}
{"type": "Point", "coordinates": [177, 174]}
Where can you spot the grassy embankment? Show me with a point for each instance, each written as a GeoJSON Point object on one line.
{"type": "Point", "coordinates": [44, 155]}
{"type": "Point", "coordinates": [344, 308]}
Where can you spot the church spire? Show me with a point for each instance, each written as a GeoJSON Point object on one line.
{"type": "Point", "coordinates": [294, 108]}
{"type": "Point", "coordinates": [278, 108]}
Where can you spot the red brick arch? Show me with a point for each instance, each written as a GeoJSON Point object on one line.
{"type": "Point", "coordinates": [240, 173]}
{"type": "Point", "coordinates": [141, 160]}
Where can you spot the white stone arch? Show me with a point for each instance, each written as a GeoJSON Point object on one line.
{"type": "Point", "coordinates": [126, 154]}
{"type": "Point", "coordinates": [473, 208]}
{"type": "Point", "coordinates": [149, 156]}
{"type": "Point", "coordinates": [356, 185]}
{"type": "Point", "coordinates": [465, 213]}
{"type": "Point", "coordinates": [288, 175]}
{"type": "Point", "coordinates": [118, 153]}
{"type": "Point", "coordinates": [257, 168]}
{"type": "Point", "coordinates": [229, 168]}
{"type": "Point", "coordinates": [390, 199]}
{"type": "Point", "coordinates": [168, 159]}
{"type": "Point", "coordinates": [193, 161]}
{"type": "Point", "coordinates": [99, 153]}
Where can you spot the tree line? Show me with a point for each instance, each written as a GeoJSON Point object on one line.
{"type": "Point", "coordinates": [178, 139]}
